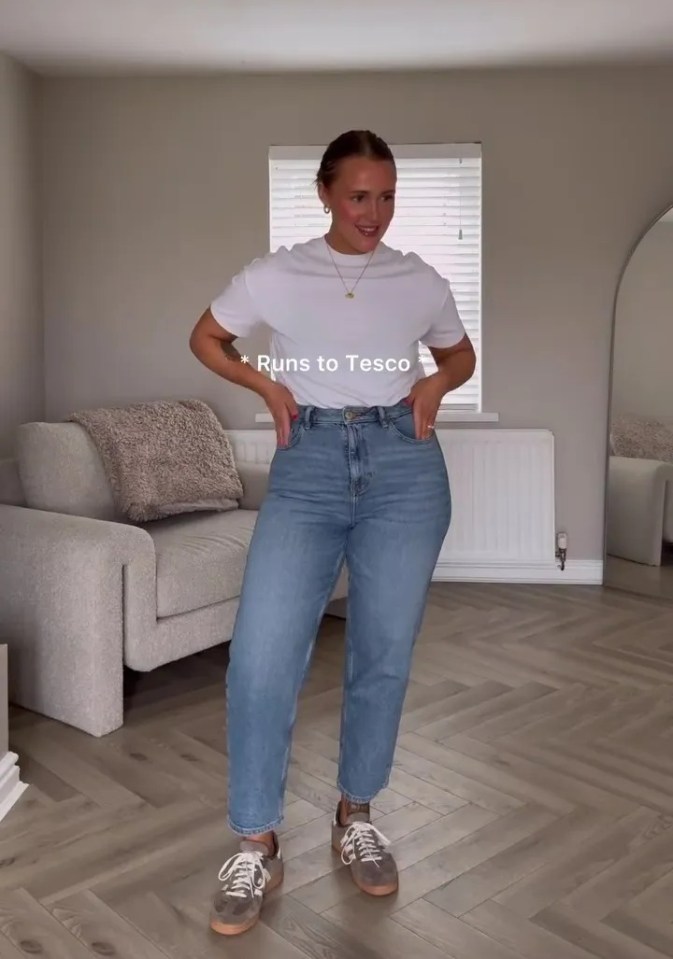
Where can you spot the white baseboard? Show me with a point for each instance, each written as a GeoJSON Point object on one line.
{"type": "Point", "coordinates": [11, 787]}
{"type": "Point", "coordinates": [576, 572]}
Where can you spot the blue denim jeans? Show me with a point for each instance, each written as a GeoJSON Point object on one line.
{"type": "Point", "coordinates": [351, 485]}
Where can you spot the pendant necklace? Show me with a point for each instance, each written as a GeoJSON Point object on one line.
{"type": "Point", "coordinates": [350, 294]}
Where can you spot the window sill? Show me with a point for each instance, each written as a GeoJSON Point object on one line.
{"type": "Point", "coordinates": [444, 416]}
{"type": "Point", "coordinates": [466, 416]}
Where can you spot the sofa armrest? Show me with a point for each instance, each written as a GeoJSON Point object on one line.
{"type": "Point", "coordinates": [10, 483]}
{"type": "Point", "coordinates": [71, 588]}
{"type": "Point", "coordinates": [635, 513]}
{"type": "Point", "coordinates": [255, 480]}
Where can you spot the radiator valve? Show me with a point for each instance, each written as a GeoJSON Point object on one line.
{"type": "Point", "coordinates": [562, 548]}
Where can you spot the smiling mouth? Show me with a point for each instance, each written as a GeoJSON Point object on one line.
{"type": "Point", "coordinates": [368, 230]}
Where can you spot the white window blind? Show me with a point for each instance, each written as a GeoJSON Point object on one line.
{"type": "Point", "coordinates": [437, 216]}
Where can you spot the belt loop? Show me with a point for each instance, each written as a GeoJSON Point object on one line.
{"type": "Point", "coordinates": [383, 416]}
{"type": "Point", "coordinates": [308, 414]}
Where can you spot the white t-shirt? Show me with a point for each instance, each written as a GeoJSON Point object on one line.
{"type": "Point", "coordinates": [331, 351]}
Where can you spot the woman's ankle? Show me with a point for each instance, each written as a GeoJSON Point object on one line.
{"type": "Point", "coordinates": [266, 838]}
{"type": "Point", "coordinates": [346, 808]}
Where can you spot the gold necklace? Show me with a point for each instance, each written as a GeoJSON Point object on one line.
{"type": "Point", "coordinates": [350, 294]}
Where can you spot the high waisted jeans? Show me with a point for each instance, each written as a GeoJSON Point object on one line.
{"type": "Point", "coordinates": [351, 485]}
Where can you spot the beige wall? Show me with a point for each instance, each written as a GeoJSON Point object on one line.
{"type": "Point", "coordinates": [156, 192]}
{"type": "Point", "coordinates": [21, 348]}
{"type": "Point", "coordinates": [643, 347]}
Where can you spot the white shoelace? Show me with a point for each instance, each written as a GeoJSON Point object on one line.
{"type": "Point", "coordinates": [244, 875]}
{"type": "Point", "coordinates": [364, 841]}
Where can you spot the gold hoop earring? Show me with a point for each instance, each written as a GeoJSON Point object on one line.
{"type": "Point", "coordinates": [326, 209]}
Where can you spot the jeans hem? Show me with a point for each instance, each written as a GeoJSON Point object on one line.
{"type": "Point", "coordinates": [254, 832]}
{"type": "Point", "coordinates": [358, 799]}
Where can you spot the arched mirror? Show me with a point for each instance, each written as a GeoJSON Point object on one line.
{"type": "Point", "coordinates": [639, 508]}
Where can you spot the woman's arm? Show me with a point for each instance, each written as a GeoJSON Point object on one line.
{"type": "Point", "coordinates": [214, 347]}
{"type": "Point", "coordinates": [455, 364]}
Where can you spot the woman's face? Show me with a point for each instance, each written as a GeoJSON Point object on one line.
{"type": "Point", "coordinates": [362, 201]}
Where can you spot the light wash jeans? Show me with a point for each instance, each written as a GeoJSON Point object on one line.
{"type": "Point", "coordinates": [356, 485]}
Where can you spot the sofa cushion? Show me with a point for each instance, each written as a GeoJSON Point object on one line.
{"type": "Point", "coordinates": [200, 558]}
{"type": "Point", "coordinates": [642, 437]}
{"type": "Point", "coordinates": [61, 471]}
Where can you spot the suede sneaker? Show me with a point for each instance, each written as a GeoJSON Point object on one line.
{"type": "Point", "coordinates": [246, 878]}
{"type": "Point", "coordinates": [363, 848]}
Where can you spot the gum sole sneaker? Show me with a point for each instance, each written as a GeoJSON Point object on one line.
{"type": "Point", "coordinates": [246, 878]}
{"type": "Point", "coordinates": [363, 848]}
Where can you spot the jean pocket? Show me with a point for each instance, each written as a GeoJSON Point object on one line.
{"type": "Point", "coordinates": [296, 433]}
{"type": "Point", "coordinates": [403, 427]}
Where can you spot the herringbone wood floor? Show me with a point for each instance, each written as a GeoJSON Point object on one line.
{"type": "Point", "coordinates": [531, 804]}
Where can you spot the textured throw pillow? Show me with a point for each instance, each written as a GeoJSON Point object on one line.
{"type": "Point", "coordinates": [164, 458]}
{"type": "Point", "coordinates": [640, 437]}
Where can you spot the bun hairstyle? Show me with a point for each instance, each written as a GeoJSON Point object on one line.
{"type": "Point", "coordinates": [362, 143]}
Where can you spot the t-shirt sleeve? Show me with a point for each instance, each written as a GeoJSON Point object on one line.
{"type": "Point", "coordinates": [234, 308]}
{"type": "Point", "coordinates": [446, 327]}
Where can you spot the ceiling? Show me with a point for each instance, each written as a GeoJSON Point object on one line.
{"type": "Point", "coordinates": [108, 36]}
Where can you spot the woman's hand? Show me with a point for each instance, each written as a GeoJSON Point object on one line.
{"type": "Point", "coordinates": [282, 407]}
{"type": "Point", "coordinates": [424, 398]}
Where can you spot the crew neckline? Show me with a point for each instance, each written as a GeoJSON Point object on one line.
{"type": "Point", "coordinates": [346, 258]}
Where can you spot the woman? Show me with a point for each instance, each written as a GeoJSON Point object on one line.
{"type": "Point", "coordinates": [357, 477]}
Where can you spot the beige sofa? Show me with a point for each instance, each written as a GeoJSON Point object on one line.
{"type": "Point", "coordinates": [640, 509]}
{"type": "Point", "coordinates": [640, 487]}
{"type": "Point", "coordinates": [84, 593]}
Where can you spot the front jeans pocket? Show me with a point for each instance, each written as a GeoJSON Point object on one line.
{"type": "Point", "coordinates": [403, 427]}
{"type": "Point", "coordinates": [296, 433]}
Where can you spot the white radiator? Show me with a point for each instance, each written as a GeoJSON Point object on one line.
{"type": "Point", "coordinates": [502, 484]}
{"type": "Point", "coordinates": [503, 522]}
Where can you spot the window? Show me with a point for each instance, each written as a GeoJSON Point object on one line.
{"type": "Point", "coordinates": [437, 215]}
